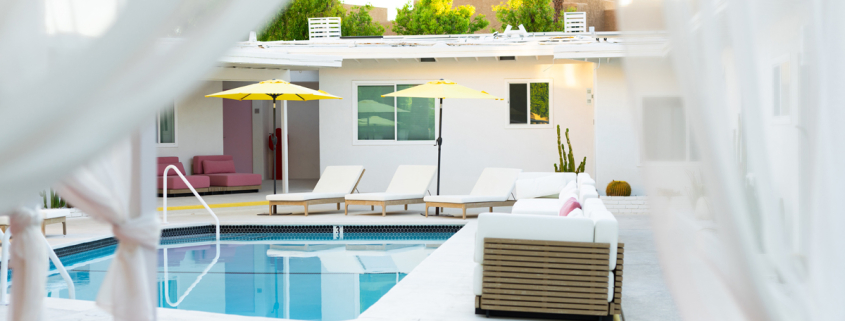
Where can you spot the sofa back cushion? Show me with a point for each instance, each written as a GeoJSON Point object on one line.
{"type": "Point", "coordinates": [197, 162]}
{"type": "Point", "coordinates": [537, 184]}
{"type": "Point", "coordinates": [217, 167]}
{"type": "Point", "coordinates": [496, 182]}
{"type": "Point", "coordinates": [412, 179]}
{"type": "Point", "coordinates": [568, 206]}
{"type": "Point", "coordinates": [338, 179]}
{"type": "Point", "coordinates": [530, 227]}
{"type": "Point", "coordinates": [171, 172]}
{"type": "Point", "coordinates": [168, 160]}
{"type": "Point", "coordinates": [593, 204]}
{"type": "Point", "coordinates": [586, 192]}
{"type": "Point", "coordinates": [570, 188]}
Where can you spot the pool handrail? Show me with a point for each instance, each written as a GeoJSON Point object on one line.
{"type": "Point", "coordinates": [216, 233]}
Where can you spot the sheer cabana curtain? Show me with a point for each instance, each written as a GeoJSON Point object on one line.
{"type": "Point", "coordinates": [77, 77]}
{"type": "Point", "coordinates": [741, 147]}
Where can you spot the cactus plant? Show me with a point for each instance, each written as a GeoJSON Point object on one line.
{"type": "Point", "coordinates": [567, 161]}
{"type": "Point", "coordinates": [618, 188]}
{"type": "Point", "coordinates": [53, 200]}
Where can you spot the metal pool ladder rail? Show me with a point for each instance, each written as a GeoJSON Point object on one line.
{"type": "Point", "coordinates": [216, 234]}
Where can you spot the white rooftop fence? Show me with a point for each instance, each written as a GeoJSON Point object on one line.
{"type": "Point", "coordinates": [323, 28]}
{"type": "Point", "coordinates": [575, 22]}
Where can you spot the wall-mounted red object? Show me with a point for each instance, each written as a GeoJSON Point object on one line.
{"type": "Point", "coordinates": [278, 150]}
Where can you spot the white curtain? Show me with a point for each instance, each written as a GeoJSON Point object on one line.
{"type": "Point", "coordinates": [78, 76]}
{"type": "Point", "coordinates": [119, 188]}
{"type": "Point", "coordinates": [741, 152]}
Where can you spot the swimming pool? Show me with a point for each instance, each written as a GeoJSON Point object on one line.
{"type": "Point", "coordinates": [303, 276]}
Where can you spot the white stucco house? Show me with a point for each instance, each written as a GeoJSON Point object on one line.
{"type": "Point", "coordinates": [546, 79]}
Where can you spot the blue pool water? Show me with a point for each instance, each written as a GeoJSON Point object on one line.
{"type": "Point", "coordinates": [304, 277]}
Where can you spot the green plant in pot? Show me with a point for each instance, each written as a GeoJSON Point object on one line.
{"type": "Point", "coordinates": [618, 188]}
{"type": "Point", "coordinates": [53, 200]}
{"type": "Point", "coordinates": [567, 161]}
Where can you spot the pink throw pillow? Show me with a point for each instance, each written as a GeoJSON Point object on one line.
{"type": "Point", "coordinates": [570, 205]}
{"type": "Point", "coordinates": [214, 167]}
{"type": "Point", "coordinates": [171, 172]}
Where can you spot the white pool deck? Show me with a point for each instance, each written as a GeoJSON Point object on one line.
{"type": "Point", "coordinates": [440, 288]}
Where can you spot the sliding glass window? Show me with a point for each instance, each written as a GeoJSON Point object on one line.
{"type": "Point", "coordinates": [396, 119]}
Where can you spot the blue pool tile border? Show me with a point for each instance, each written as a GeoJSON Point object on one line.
{"type": "Point", "coordinates": [277, 232]}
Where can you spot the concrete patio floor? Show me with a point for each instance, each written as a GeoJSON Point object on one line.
{"type": "Point", "coordinates": [438, 289]}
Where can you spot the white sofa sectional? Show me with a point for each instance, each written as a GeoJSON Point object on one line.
{"type": "Point", "coordinates": [534, 240]}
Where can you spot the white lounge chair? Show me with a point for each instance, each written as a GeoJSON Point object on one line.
{"type": "Point", "coordinates": [493, 188]}
{"type": "Point", "coordinates": [408, 186]}
{"type": "Point", "coordinates": [334, 184]}
{"type": "Point", "coordinates": [51, 216]}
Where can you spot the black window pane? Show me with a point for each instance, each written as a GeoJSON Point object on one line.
{"type": "Point", "coordinates": [519, 103]}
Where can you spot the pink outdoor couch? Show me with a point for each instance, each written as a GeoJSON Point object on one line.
{"type": "Point", "coordinates": [227, 181]}
{"type": "Point", "coordinates": [176, 185]}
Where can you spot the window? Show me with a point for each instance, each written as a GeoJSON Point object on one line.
{"type": "Point", "coordinates": [166, 126]}
{"type": "Point", "coordinates": [392, 119]}
{"type": "Point", "coordinates": [781, 81]}
{"type": "Point", "coordinates": [529, 103]}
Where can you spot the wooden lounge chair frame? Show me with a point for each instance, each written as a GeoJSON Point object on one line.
{"type": "Point", "coordinates": [465, 206]}
{"type": "Point", "coordinates": [44, 223]}
{"type": "Point", "coordinates": [547, 277]}
{"type": "Point", "coordinates": [383, 204]}
{"type": "Point", "coordinates": [306, 203]}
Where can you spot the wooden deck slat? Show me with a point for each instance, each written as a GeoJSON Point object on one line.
{"type": "Point", "coordinates": [541, 310]}
{"type": "Point", "coordinates": [588, 307]}
{"type": "Point", "coordinates": [579, 273]}
{"type": "Point", "coordinates": [586, 264]}
{"type": "Point", "coordinates": [545, 287]}
{"type": "Point", "coordinates": [544, 276]}
{"type": "Point", "coordinates": [544, 299]}
{"type": "Point", "coordinates": [487, 291]}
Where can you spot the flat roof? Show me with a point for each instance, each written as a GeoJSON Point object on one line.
{"type": "Point", "coordinates": [330, 52]}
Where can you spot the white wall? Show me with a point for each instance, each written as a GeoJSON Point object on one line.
{"type": "Point", "coordinates": [304, 133]}
{"type": "Point", "coordinates": [617, 146]}
{"type": "Point", "coordinates": [475, 132]}
{"type": "Point", "coordinates": [199, 125]}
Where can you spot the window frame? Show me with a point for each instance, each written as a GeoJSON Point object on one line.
{"type": "Point", "coordinates": [395, 141]}
{"type": "Point", "coordinates": [175, 142]}
{"type": "Point", "coordinates": [528, 124]}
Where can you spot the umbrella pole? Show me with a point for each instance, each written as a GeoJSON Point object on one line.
{"type": "Point", "coordinates": [439, 143]}
{"type": "Point", "coordinates": [275, 145]}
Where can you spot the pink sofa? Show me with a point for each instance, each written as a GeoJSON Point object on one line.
{"type": "Point", "coordinates": [222, 176]}
{"type": "Point", "coordinates": [176, 185]}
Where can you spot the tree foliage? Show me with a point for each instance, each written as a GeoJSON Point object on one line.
{"type": "Point", "coordinates": [437, 17]}
{"type": "Point", "coordinates": [535, 15]}
{"type": "Point", "coordinates": [291, 23]}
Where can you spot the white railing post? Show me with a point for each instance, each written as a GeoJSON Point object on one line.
{"type": "Point", "coordinates": [71, 289]}
{"type": "Point", "coordinates": [4, 271]}
{"type": "Point", "coordinates": [216, 234]}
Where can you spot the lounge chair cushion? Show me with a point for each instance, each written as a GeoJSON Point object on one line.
{"type": "Point", "coordinates": [497, 183]}
{"type": "Point", "coordinates": [171, 172]}
{"type": "Point", "coordinates": [234, 179]}
{"type": "Point", "coordinates": [197, 161]}
{"type": "Point", "coordinates": [55, 212]}
{"type": "Point", "coordinates": [339, 179]}
{"type": "Point", "coordinates": [532, 186]}
{"type": "Point", "coordinates": [460, 199]}
{"type": "Point", "coordinates": [530, 227]}
{"type": "Point", "coordinates": [175, 182]}
{"type": "Point", "coordinates": [538, 206]}
{"type": "Point", "coordinates": [381, 196]}
{"type": "Point", "coordinates": [303, 196]}
{"type": "Point", "coordinates": [218, 167]}
{"type": "Point", "coordinates": [411, 180]}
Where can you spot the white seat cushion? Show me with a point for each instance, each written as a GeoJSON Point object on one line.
{"type": "Point", "coordinates": [538, 206]}
{"type": "Point", "coordinates": [530, 227]}
{"type": "Point", "coordinates": [411, 180]}
{"type": "Point", "coordinates": [338, 179]}
{"type": "Point", "coordinates": [496, 183]}
{"type": "Point", "coordinates": [536, 185]}
{"type": "Point", "coordinates": [461, 199]}
{"type": "Point", "coordinates": [56, 212]}
{"type": "Point", "coordinates": [381, 196]}
{"type": "Point", "coordinates": [606, 231]}
{"type": "Point", "coordinates": [477, 279]}
{"type": "Point", "coordinates": [303, 196]}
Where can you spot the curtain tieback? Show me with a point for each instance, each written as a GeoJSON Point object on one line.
{"type": "Point", "coordinates": [143, 231]}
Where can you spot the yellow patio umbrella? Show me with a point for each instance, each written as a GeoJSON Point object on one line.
{"type": "Point", "coordinates": [441, 89]}
{"type": "Point", "coordinates": [274, 90]}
